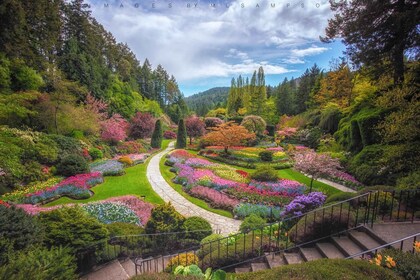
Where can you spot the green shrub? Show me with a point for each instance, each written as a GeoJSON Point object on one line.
{"type": "Point", "coordinates": [41, 263]}
{"type": "Point", "coordinates": [407, 263]}
{"type": "Point", "coordinates": [325, 223]}
{"type": "Point", "coordinates": [266, 155]}
{"type": "Point", "coordinates": [95, 153]}
{"type": "Point", "coordinates": [19, 229]}
{"type": "Point", "coordinates": [265, 174]}
{"type": "Point", "coordinates": [210, 238]}
{"type": "Point", "coordinates": [66, 145]}
{"type": "Point", "coordinates": [181, 137]}
{"type": "Point", "coordinates": [164, 218]}
{"type": "Point", "coordinates": [252, 222]}
{"type": "Point", "coordinates": [340, 197]}
{"type": "Point", "coordinates": [71, 165]}
{"type": "Point", "coordinates": [71, 227]}
{"type": "Point", "coordinates": [156, 141]}
{"type": "Point", "coordinates": [409, 182]}
{"type": "Point", "coordinates": [330, 118]}
{"type": "Point", "coordinates": [197, 224]}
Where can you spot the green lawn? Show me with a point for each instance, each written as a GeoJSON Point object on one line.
{"type": "Point", "coordinates": [291, 174]}
{"type": "Point", "coordinates": [168, 175]}
{"type": "Point", "coordinates": [134, 182]}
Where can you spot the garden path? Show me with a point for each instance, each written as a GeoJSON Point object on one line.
{"type": "Point", "coordinates": [336, 185]}
{"type": "Point", "coordinates": [220, 224]}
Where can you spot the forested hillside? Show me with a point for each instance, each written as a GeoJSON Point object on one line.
{"type": "Point", "coordinates": [205, 101]}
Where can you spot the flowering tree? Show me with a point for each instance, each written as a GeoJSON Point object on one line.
{"type": "Point", "coordinates": [212, 122]}
{"type": "Point", "coordinates": [114, 129]}
{"type": "Point", "coordinates": [142, 125]}
{"type": "Point", "coordinates": [315, 165]}
{"type": "Point", "coordinates": [228, 134]}
{"type": "Point", "coordinates": [195, 127]}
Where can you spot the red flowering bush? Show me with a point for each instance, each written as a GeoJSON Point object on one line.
{"type": "Point", "coordinates": [142, 125]}
{"type": "Point", "coordinates": [242, 173]}
{"type": "Point", "coordinates": [130, 147]}
{"type": "Point", "coordinates": [169, 134]}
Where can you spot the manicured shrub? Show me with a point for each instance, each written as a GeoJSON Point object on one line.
{"type": "Point", "coordinates": [72, 165]}
{"type": "Point", "coordinates": [71, 227]}
{"type": "Point", "coordinates": [126, 160]}
{"type": "Point", "coordinates": [169, 134]}
{"type": "Point", "coordinates": [41, 263]}
{"type": "Point", "coordinates": [95, 153]}
{"type": "Point", "coordinates": [164, 218]}
{"type": "Point", "coordinates": [122, 229]}
{"type": "Point", "coordinates": [198, 224]}
{"type": "Point", "coordinates": [407, 263]}
{"type": "Point", "coordinates": [265, 174]}
{"type": "Point", "coordinates": [156, 141]}
{"type": "Point", "coordinates": [181, 137]}
{"type": "Point", "coordinates": [266, 155]}
{"type": "Point", "coordinates": [341, 196]}
{"type": "Point", "coordinates": [19, 229]}
{"type": "Point", "coordinates": [251, 222]}
{"type": "Point", "coordinates": [211, 237]}
{"type": "Point", "coordinates": [254, 124]}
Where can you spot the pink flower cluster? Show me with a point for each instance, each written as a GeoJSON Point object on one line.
{"type": "Point", "coordinates": [35, 209]}
{"type": "Point", "coordinates": [275, 149]}
{"type": "Point", "coordinates": [215, 198]}
{"type": "Point", "coordinates": [235, 148]}
{"type": "Point", "coordinates": [198, 162]}
{"type": "Point", "coordinates": [142, 208]}
{"type": "Point", "coordinates": [181, 154]}
{"type": "Point", "coordinates": [343, 176]}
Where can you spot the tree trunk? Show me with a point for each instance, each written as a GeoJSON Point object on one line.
{"type": "Point", "coordinates": [190, 140]}
{"type": "Point", "coordinates": [226, 150]}
{"type": "Point", "coordinates": [310, 188]}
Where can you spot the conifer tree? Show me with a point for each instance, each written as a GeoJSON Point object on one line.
{"type": "Point", "coordinates": [181, 137]}
{"type": "Point", "coordinates": [157, 135]}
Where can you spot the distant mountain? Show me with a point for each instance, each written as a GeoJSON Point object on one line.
{"type": "Point", "coordinates": [205, 101]}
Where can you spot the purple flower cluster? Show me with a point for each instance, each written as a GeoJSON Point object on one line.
{"type": "Point", "coordinates": [304, 203]}
{"type": "Point", "coordinates": [198, 162]}
{"type": "Point", "coordinates": [287, 187]}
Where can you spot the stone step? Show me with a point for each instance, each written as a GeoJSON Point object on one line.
{"type": "Point", "coordinates": [292, 258]}
{"type": "Point", "coordinates": [310, 254]}
{"type": "Point", "coordinates": [274, 260]}
{"type": "Point", "coordinates": [242, 269]}
{"type": "Point", "coordinates": [328, 250]}
{"type": "Point", "coordinates": [347, 246]}
{"type": "Point", "coordinates": [129, 267]}
{"type": "Point", "coordinates": [258, 266]}
{"type": "Point", "coordinates": [363, 240]}
{"type": "Point", "coordinates": [110, 271]}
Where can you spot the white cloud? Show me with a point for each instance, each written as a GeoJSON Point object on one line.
{"type": "Point", "coordinates": [194, 43]}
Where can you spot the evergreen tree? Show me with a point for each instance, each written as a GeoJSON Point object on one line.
{"type": "Point", "coordinates": [181, 138]}
{"type": "Point", "coordinates": [157, 135]}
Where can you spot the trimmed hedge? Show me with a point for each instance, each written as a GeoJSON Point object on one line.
{"type": "Point", "coordinates": [197, 224]}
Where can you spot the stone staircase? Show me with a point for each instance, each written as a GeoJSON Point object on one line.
{"type": "Point", "coordinates": [115, 270]}
{"type": "Point", "coordinates": [339, 247]}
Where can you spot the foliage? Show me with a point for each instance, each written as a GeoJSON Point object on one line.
{"type": "Point", "coordinates": [71, 227]}
{"type": "Point", "coordinates": [126, 160]}
{"type": "Point", "coordinates": [330, 118]}
{"type": "Point", "coordinates": [181, 137]}
{"type": "Point", "coordinates": [183, 259]}
{"type": "Point", "coordinates": [266, 155]}
{"type": "Point", "coordinates": [111, 212]}
{"type": "Point", "coordinates": [411, 181]}
{"type": "Point", "coordinates": [164, 218]}
{"type": "Point", "coordinates": [265, 174]}
{"type": "Point", "coordinates": [210, 238]}
{"type": "Point", "coordinates": [130, 147]}
{"type": "Point", "coordinates": [114, 129]}
{"type": "Point", "coordinates": [197, 224]}
{"type": "Point", "coordinates": [212, 122]}
{"type": "Point", "coordinates": [123, 229]}
{"type": "Point", "coordinates": [41, 263]}
{"type": "Point", "coordinates": [254, 124]}
{"type": "Point", "coordinates": [168, 134]}
{"type": "Point", "coordinates": [228, 134]}
{"type": "Point", "coordinates": [195, 127]}
{"type": "Point", "coordinates": [71, 165]}
{"type": "Point", "coordinates": [156, 141]}
{"type": "Point", "coordinates": [243, 210]}
{"type": "Point", "coordinates": [142, 125]}
{"type": "Point", "coordinates": [304, 203]}
{"type": "Point", "coordinates": [251, 222]}
{"type": "Point", "coordinates": [95, 153]}
{"type": "Point", "coordinates": [340, 197]}
{"type": "Point", "coordinates": [19, 229]}
{"type": "Point", "coordinates": [407, 263]}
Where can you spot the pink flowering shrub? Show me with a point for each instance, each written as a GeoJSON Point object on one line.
{"type": "Point", "coordinates": [114, 129]}
{"type": "Point", "coordinates": [169, 135]}
{"type": "Point", "coordinates": [215, 198]}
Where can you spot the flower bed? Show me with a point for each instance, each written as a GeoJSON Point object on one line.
{"type": "Point", "coordinates": [142, 208]}
{"type": "Point", "coordinates": [108, 167]}
{"type": "Point", "coordinates": [111, 212]}
{"type": "Point", "coordinates": [215, 198]}
{"type": "Point", "coordinates": [136, 158]}
{"type": "Point", "coordinates": [345, 179]}
{"type": "Point", "coordinates": [76, 187]}
{"type": "Point", "coordinates": [243, 210]}
{"type": "Point", "coordinates": [18, 196]}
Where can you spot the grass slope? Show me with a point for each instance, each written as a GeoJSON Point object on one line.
{"type": "Point", "coordinates": [168, 175]}
{"type": "Point", "coordinates": [134, 182]}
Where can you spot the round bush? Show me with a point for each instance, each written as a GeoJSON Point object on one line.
{"type": "Point", "coordinates": [266, 155]}
{"type": "Point", "coordinates": [252, 222]}
{"type": "Point", "coordinates": [340, 197]}
{"type": "Point", "coordinates": [95, 153]}
{"type": "Point", "coordinates": [72, 165]}
{"type": "Point", "coordinates": [210, 238]}
{"type": "Point", "coordinates": [126, 160]}
{"type": "Point", "coordinates": [195, 224]}
{"type": "Point", "coordinates": [265, 174]}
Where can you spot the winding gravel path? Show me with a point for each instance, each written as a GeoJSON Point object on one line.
{"type": "Point", "coordinates": [220, 224]}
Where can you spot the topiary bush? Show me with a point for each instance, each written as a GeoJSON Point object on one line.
{"type": "Point", "coordinates": [252, 222]}
{"type": "Point", "coordinates": [156, 141]}
{"type": "Point", "coordinates": [266, 155]}
{"type": "Point", "coordinates": [265, 174]}
{"type": "Point", "coordinates": [95, 153]}
{"type": "Point", "coordinates": [197, 224]}
{"type": "Point", "coordinates": [181, 137]}
{"type": "Point", "coordinates": [72, 165]}
{"type": "Point", "coordinates": [164, 218]}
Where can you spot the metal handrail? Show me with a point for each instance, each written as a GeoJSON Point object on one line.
{"type": "Point", "coordinates": [388, 245]}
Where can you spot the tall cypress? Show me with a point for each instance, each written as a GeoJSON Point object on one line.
{"type": "Point", "coordinates": [181, 137]}
{"type": "Point", "coordinates": [157, 135]}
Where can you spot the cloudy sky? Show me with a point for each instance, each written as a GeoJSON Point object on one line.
{"type": "Point", "coordinates": [206, 43]}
